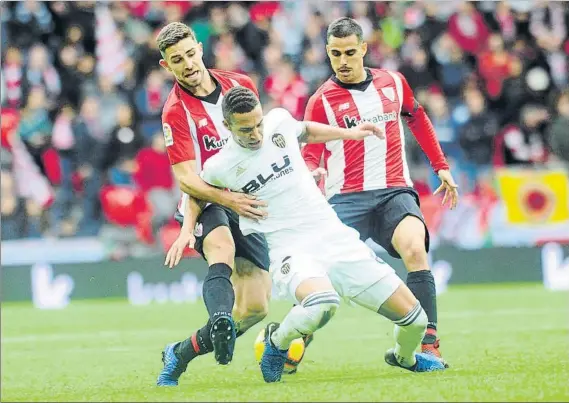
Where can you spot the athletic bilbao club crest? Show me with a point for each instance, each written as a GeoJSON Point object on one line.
{"type": "Point", "coordinates": [285, 268]}
{"type": "Point", "coordinates": [279, 140]}
{"type": "Point", "coordinates": [168, 137]}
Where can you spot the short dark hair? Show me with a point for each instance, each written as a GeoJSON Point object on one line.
{"type": "Point", "coordinates": [344, 27]}
{"type": "Point", "coordinates": [173, 33]}
{"type": "Point", "coordinates": [238, 100]}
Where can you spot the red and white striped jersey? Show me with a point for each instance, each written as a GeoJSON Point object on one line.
{"type": "Point", "coordinates": [354, 166]}
{"type": "Point", "coordinates": [193, 126]}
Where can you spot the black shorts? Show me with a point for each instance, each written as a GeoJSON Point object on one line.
{"type": "Point", "coordinates": [252, 247]}
{"type": "Point", "coordinates": [376, 213]}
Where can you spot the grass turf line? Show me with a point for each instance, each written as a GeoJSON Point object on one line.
{"type": "Point", "coordinates": [507, 343]}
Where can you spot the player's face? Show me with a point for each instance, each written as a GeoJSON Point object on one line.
{"type": "Point", "coordinates": [247, 128]}
{"type": "Point", "coordinates": [184, 60]}
{"type": "Point", "coordinates": [347, 58]}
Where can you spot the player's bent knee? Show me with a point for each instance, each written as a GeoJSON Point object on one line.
{"type": "Point", "coordinates": [414, 254]}
{"type": "Point", "coordinates": [219, 247]}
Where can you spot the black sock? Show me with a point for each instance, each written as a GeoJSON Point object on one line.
{"type": "Point", "coordinates": [422, 285]}
{"type": "Point", "coordinates": [218, 293]}
{"type": "Point", "coordinates": [198, 343]}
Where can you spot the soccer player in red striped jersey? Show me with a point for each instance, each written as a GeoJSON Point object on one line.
{"type": "Point", "coordinates": [368, 182]}
{"type": "Point", "coordinates": [237, 287]}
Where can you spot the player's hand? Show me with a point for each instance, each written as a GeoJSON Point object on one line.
{"type": "Point", "coordinates": [247, 205]}
{"type": "Point", "coordinates": [450, 188]}
{"type": "Point", "coordinates": [318, 174]}
{"type": "Point", "coordinates": [364, 130]}
{"type": "Point", "coordinates": [176, 251]}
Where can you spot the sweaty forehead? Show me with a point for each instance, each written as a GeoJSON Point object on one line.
{"type": "Point", "coordinates": [181, 47]}
{"type": "Point", "coordinates": [343, 44]}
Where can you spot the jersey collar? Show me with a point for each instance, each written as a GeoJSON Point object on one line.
{"type": "Point", "coordinates": [361, 86]}
{"type": "Point", "coordinates": [212, 98]}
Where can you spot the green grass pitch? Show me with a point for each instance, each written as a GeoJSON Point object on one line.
{"type": "Point", "coordinates": [503, 342]}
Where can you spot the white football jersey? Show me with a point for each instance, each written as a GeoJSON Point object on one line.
{"type": "Point", "coordinates": [275, 173]}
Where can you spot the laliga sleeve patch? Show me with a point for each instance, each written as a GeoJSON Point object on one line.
{"type": "Point", "coordinates": [168, 138]}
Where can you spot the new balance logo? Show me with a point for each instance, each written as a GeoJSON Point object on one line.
{"type": "Point", "coordinates": [202, 123]}
{"type": "Point", "coordinates": [343, 107]}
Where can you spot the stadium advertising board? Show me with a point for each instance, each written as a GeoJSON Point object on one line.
{"type": "Point", "coordinates": [145, 281]}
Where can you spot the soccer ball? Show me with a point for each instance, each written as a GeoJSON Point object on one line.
{"type": "Point", "coordinates": [295, 352]}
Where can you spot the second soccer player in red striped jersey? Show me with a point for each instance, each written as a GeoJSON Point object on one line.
{"type": "Point", "coordinates": [368, 182]}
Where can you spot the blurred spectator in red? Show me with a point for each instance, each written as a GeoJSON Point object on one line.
{"type": "Point", "coordinates": [287, 89]}
{"type": "Point", "coordinates": [154, 177]}
{"type": "Point", "coordinates": [468, 28]}
{"type": "Point", "coordinates": [506, 21]}
{"type": "Point", "coordinates": [13, 72]}
{"type": "Point", "coordinates": [494, 65]}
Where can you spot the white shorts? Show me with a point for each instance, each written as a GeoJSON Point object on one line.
{"type": "Point", "coordinates": [335, 252]}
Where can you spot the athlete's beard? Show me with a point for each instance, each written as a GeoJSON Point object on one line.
{"type": "Point", "coordinates": [195, 88]}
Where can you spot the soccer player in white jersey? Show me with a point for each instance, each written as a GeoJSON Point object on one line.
{"type": "Point", "coordinates": [315, 259]}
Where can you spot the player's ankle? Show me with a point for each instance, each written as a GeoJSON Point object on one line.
{"type": "Point", "coordinates": [430, 336]}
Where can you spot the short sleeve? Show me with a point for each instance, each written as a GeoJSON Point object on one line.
{"type": "Point", "coordinates": [177, 135]}
{"type": "Point", "coordinates": [315, 110]}
{"type": "Point", "coordinates": [285, 123]}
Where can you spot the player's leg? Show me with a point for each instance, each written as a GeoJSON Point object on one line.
{"type": "Point", "coordinates": [214, 242]}
{"type": "Point", "coordinates": [400, 229]}
{"type": "Point", "coordinates": [251, 279]}
{"type": "Point", "coordinates": [374, 285]}
{"type": "Point", "coordinates": [252, 287]}
{"type": "Point", "coordinates": [306, 280]}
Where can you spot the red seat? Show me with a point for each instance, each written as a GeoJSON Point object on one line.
{"type": "Point", "coordinates": [168, 234]}
{"type": "Point", "coordinates": [52, 164]}
{"type": "Point", "coordinates": [122, 205]}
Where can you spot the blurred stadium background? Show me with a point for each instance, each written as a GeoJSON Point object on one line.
{"type": "Point", "coordinates": [87, 195]}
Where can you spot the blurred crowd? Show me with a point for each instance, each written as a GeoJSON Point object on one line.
{"type": "Point", "coordinates": [82, 92]}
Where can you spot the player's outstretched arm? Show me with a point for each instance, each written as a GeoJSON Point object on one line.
{"type": "Point", "coordinates": [314, 132]}
{"type": "Point", "coordinates": [191, 183]}
{"type": "Point", "coordinates": [186, 237]}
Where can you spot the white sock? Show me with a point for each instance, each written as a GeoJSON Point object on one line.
{"type": "Point", "coordinates": [409, 332]}
{"type": "Point", "coordinates": [313, 313]}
